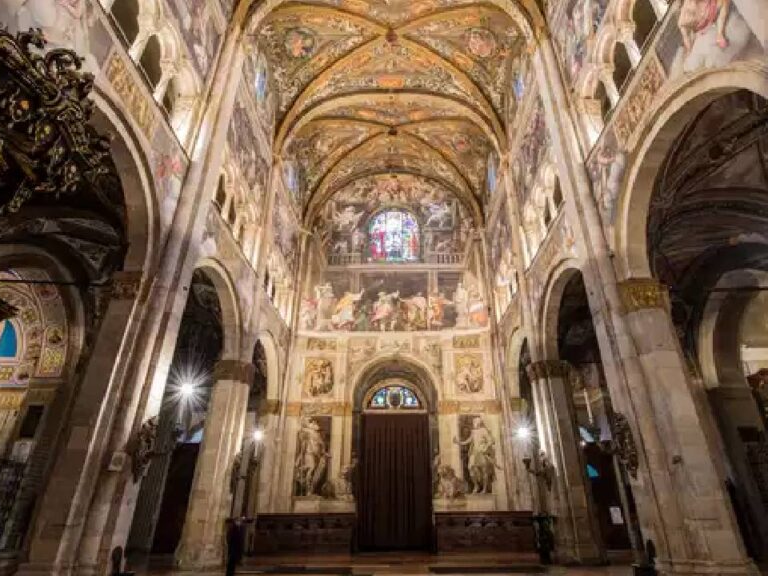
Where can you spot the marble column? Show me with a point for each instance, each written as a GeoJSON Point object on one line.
{"type": "Point", "coordinates": [64, 506]}
{"type": "Point", "coordinates": [577, 534]}
{"type": "Point", "coordinates": [202, 540]}
{"type": "Point", "coordinates": [683, 511]}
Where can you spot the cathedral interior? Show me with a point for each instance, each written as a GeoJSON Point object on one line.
{"type": "Point", "coordinates": [383, 286]}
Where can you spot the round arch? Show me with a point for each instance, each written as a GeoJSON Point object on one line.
{"type": "Point", "coordinates": [140, 195]}
{"type": "Point", "coordinates": [403, 366]}
{"type": "Point", "coordinates": [267, 341]}
{"type": "Point", "coordinates": [672, 113]}
{"type": "Point", "coordinates": [560, 276]}
{"type": "Point", "coordinates": [230, 310]}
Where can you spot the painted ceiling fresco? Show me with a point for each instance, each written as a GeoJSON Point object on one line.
{"type": "Point", "coordinates": [373, 87]}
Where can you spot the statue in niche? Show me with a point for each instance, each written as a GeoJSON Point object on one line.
{"type": "Point", "coordinates": [318, 376]}
{"type": "Point", "coordinates": [311, 466]}
{"type": "Point", "coordinates": [480, 457]}
{"type": "Point", "coordinates": [461, 301]}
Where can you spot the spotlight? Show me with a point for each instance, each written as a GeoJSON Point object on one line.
{"type": "Point", "coordinates": [187, 389]}
{"type": "Point", "coordinates": [258, 435]}
{"type": "Point", "coordinates": [523, 433]}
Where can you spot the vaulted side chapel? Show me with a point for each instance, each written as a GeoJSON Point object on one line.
{"type": "Point", "coordinates": [383, 286]}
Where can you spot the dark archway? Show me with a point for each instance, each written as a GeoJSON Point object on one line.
{"type": "Point", "coordinates": [706, 238]}
{"type": "Point", "coordinates": [160, 513]}
{"type": "Point", "coordinates": [394, 427]}
{"type": "Point", "coordinates": [578, 346]}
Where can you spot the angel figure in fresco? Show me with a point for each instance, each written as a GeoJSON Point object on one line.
{"type": "Point", "coordinates": [344, 313]}
{"type": "Point", "coordinates": [481, 457]}
{"type": "Point", "coordinates": [437, 304]}
{"type": "Point", "coordinates": [696, 16]}
{"type": "Point", "coordinates": [311, 459]}
{"type": "Point", "coordinates": [385, 311]}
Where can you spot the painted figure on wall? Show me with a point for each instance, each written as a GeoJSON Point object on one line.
{"type": "Point", "coordinates": [415, 312]}
{"type": "Point", "coordinates": [385, 311]}
{"type": "Point", "coordinates": [437, 304]}
{"type": "Point", "coordinates": [311, 466]}
{"type": "Point", "coordinates": [64, 23]}
{"type": "Point", "coordinates": [469, 373]}
{"type": "Point", "coordinates": [480, 458]}
{"type": "Point", "coordinates": [318, 377]}
{"type": "Point", "coordinates": [344, 313]}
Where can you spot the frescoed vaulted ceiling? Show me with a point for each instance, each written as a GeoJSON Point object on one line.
{"type": "Point", "coordinates": [371, 87]}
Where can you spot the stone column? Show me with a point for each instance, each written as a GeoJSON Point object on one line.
{"type": "Point", "coordinates": [707, 540]}
{"type": "Point", "coordinates": [202, 540]}
{"type": "Point", "coordinates": [577, 535]}
{"type": "Point", "coordinates": [683, 510]}
{"type": "Point", "coordinates": [83, 443]}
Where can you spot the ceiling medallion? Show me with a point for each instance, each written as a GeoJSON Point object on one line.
{"type": "Point", "coordinates": [48, 146]}
{"type": "Point", "coordinates": [299, 43]}
{"type": "Point", "coordinates": [481, 42]}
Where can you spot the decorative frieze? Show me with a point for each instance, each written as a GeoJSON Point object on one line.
{"type": "Point", "coordinates": [318, 409]}
{"type": "Point", "coordinates": [321, 344]}
{"type": "Point", "coordinates": [11, 399]}
{"type": "Point", "coordinates": [642, 293]}
{"type": "Point", "coordinates": [637, 104]}
{"type": "Point", "coordinates": [448, 407]}
{"type": "Point", "coordinates": [138, 105]}
{"type": "Point", "coordinates": [467, 341]}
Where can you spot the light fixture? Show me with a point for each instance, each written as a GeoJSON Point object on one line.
{"type": "Point", "coordinates": [258, 435]}
{"type": "Point", "coordinates": [187, 389]}
{"type": "Point", "coordinates": [523, 432]}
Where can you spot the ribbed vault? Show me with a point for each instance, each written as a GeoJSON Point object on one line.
{"type": "Point", "coordinates": [371, 87]}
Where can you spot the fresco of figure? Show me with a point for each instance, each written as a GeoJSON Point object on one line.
{"type": "Point", "coordinates": [385, 311]}
{"type": "Point", "coordinates": [311, 467]}
{"type": "Point", "coordinates": [64, 23]}
{"type": "Point", "coordinates": [481, 457]}
{"type": "Point", "coordinates": [344, 313]}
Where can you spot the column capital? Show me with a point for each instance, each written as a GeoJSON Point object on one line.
{"type": "Point", "coordinates": [234, 370]}
{"type": "Point", "coordinates": [126, 284]}
{"type": "Point", "coordinates": [642, 294]}
{"type": "Point", "coordinates": [544, 369]}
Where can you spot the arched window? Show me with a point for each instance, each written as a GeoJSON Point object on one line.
{"type": "Point", "coordinates": [9, 341]}
{"type": "Point", "coordinates": [126, 14]}
{"type": "Point", "coordinates": [393, 236]}
{"type": "Point", "coordinates": [394, 398]}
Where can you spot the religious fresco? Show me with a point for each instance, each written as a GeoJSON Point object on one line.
{"type": "Point", "coordinates": [709, 34]}
{"type": "Point", "coordinates": [499, 236]}
{"type": "Point", "coordinates": [313, 459]}
{"type": "Point", "coordinates": [479, 461]}
{"type": "Point", "coordinates": [65, 24]}
{"type": "Point", "coordinates": [468, 373]}
{"type": "Point", "coordinates": [403, 218]}
{"type": "Point", "coordinates": [197, 25]}
{"type": "Point", "coordinates": [286, 231]}
{"type": "Point", "coordinates": [243, 144]}
{"type": "Point", "coordinates": [577, 36]}
{"type": "Point", "coordinates": [258, 84]}
{"type": "Point", "coordinates": [606, 166]}
{"type": "Point", "coordinates": [395, 301]}
{"type": "Point", "coordinates": [318, 376]}
{"type": "Point", "coordinates": [532, 151]}
{"type": "Point", "coordinates": [34, 344]}
{"type": "Point", "coordinates": [477, 40]}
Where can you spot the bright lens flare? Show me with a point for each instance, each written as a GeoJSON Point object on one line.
{"type": "Point", "coordinates": [523, 433]}
{"type": "Point", "coordinates": [187, 386]}
{"type": "Point", "coordinates": [258, 435]}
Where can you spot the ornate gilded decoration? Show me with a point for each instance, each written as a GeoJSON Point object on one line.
{"type": "Point", "coordinates": [125, 85]}
{"type": "Point", "coordinates": [49, 149]}
{"type": "Point", "coordinates": [472, 341]}
{"type": "Point", "coordinates": [642, 293]}
{"type": "Point", "coordinates": [318, 376]}
{"type": "Point", "coordinates": [637, 104]}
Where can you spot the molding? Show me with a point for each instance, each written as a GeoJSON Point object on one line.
{"type": "Point", "coordinates": [234, 370]}
{"type": "Point", "coordinates": [643, 294]}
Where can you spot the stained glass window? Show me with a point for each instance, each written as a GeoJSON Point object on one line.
{"type": "Point", "coordinates": [395, 398]}
{"type": "Point", "coordinates": [9, 343]}
{"type": "Point", "coordinates": [393, 236]}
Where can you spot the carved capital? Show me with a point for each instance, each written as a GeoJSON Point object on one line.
{"type": "Point", "coordinates": [270, 407]}
{"type": "Point", "coordinates": [126, 285]}
{"type": "Point", "coordinates": [234, 370]}
{"type": "Point", "coordinates": [548, 369]}
{"type": "Point", "coordinates": [642, 294]}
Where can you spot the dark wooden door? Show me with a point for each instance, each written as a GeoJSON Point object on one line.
{"type": "Point", "coordinates": [395, 492]}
